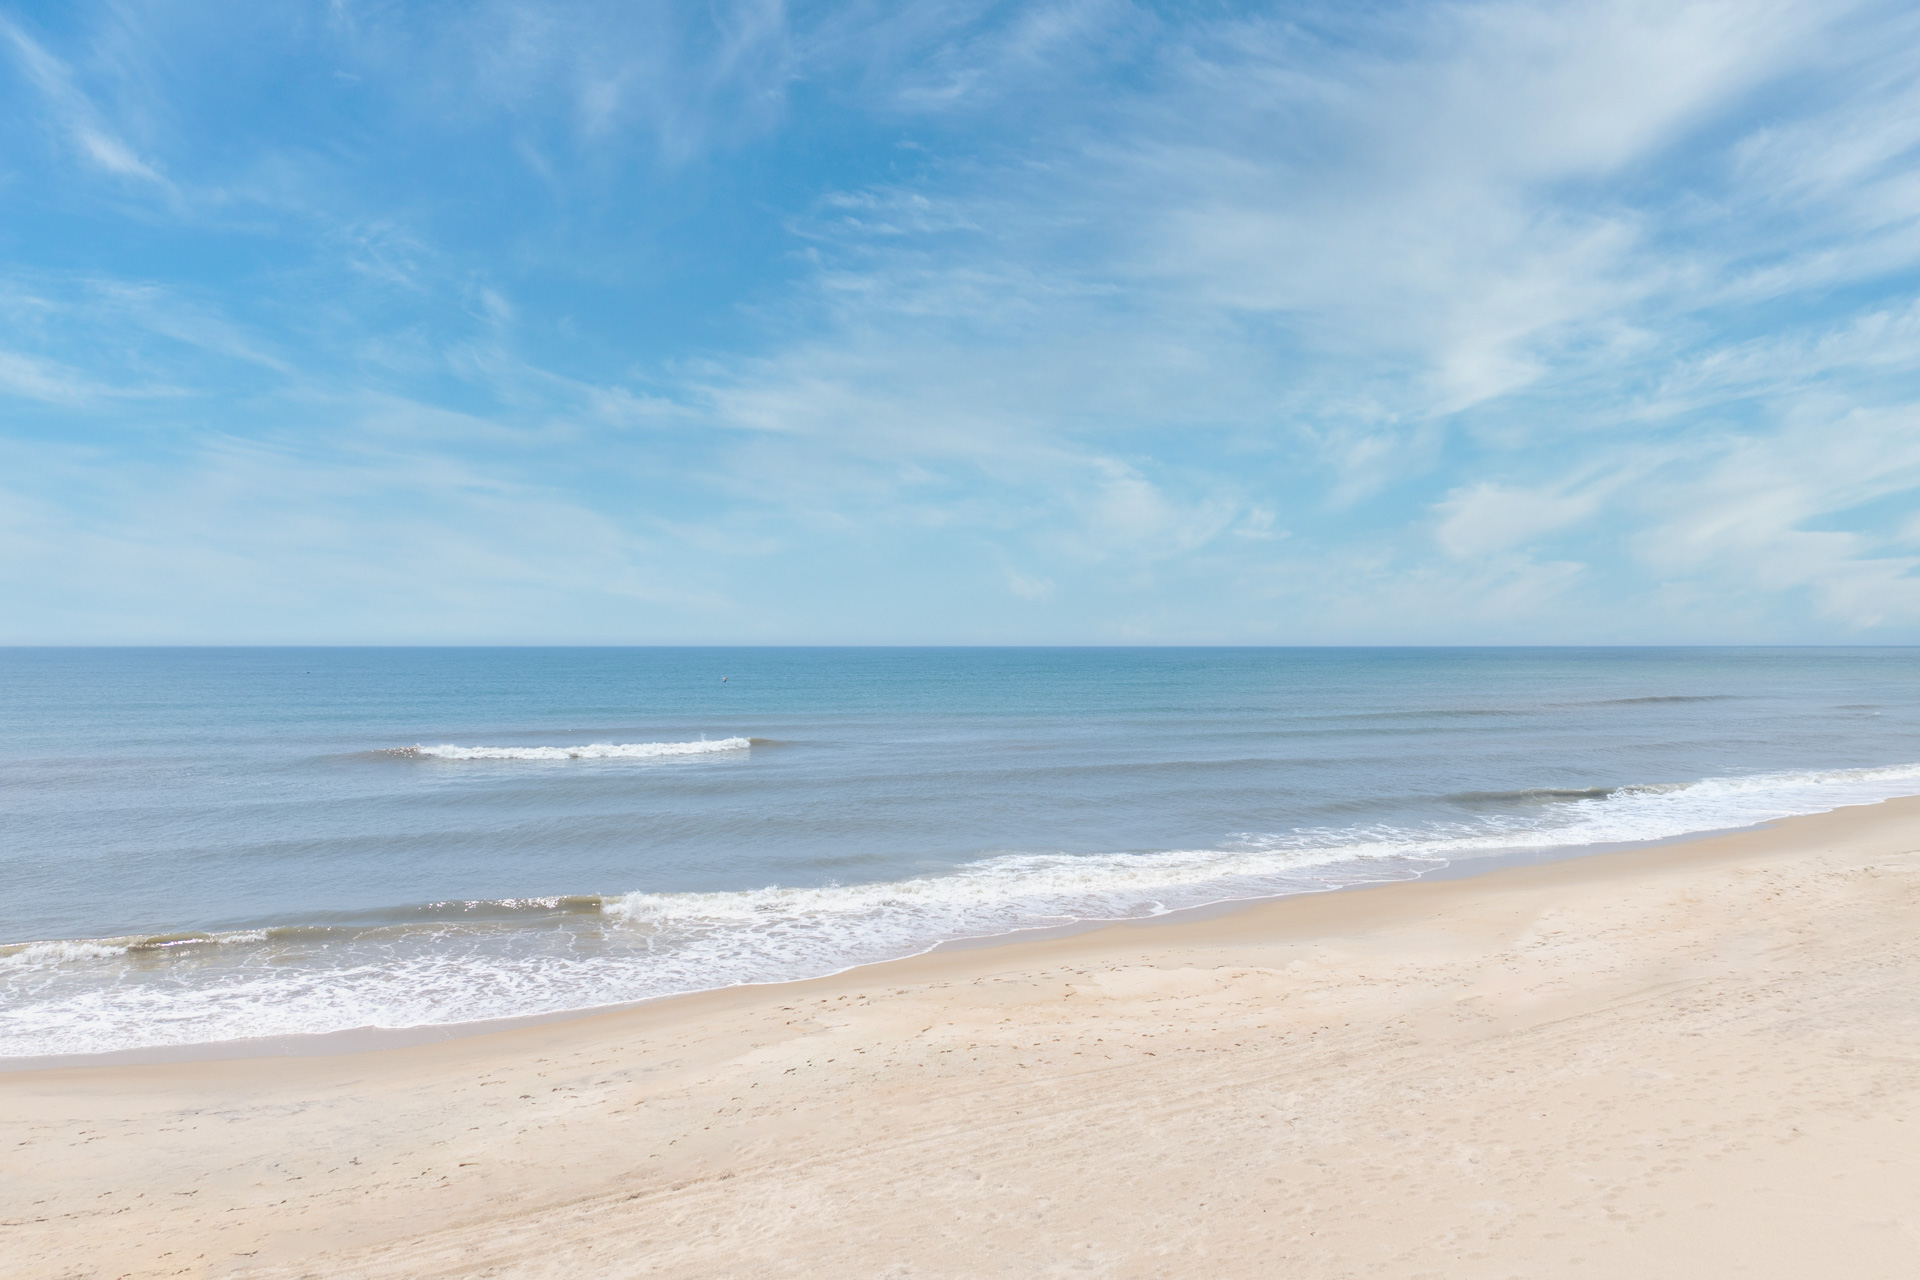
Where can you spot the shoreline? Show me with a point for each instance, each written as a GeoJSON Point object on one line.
{"type": "Point", "coordinates": [353, 1040]}
{"type": "Point", "coordinates": [1692, 1059]}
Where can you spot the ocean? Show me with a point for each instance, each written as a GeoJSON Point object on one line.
{"type": "Point", "coordinates": [204, 845]}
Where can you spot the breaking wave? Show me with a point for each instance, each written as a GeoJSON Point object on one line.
{"type": "Point", "coordinates": [461, 961]}
{"type": "Point", "coordinates": [590, 751]}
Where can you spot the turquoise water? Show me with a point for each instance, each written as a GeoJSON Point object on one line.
{"type": "Point", "coordinates": [202, 845]}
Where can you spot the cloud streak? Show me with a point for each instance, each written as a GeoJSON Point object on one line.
{"type": "Point", "coordinates": [71, 112]}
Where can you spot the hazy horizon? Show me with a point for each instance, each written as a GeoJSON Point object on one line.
{"type": "Point", "coordinates": [773, 644]}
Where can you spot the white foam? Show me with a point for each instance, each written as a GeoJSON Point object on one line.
{"type": "Point", "coordinates": [56, 953]}
{"type": "Point", "coordinates": [51, 953]}
{"type": "Point", "coordinates": [91, 996]}
{"type": "Point", "coordinates": [590, 751]}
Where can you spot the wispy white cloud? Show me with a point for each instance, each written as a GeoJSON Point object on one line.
{"type": "Point", "coordinates": [72, 113]}
{"type": "Point", "coordinates": [1519, 320]}
{"type": "Point", "coordinates": [1778, 512]}
{"type": "Point", "coordinates": [35, 379]}
{"type": "Point", "coordinates": [1488, 517]}
{"type": "Point", "coordinates": [338, 536]}
{"type": "Point", "coordinates": [1350, 247]}
{"type": "Point", "coordinates": [691, 78]}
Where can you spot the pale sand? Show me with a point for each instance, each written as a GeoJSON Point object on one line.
{"type": "Point", "coordinates": [1698, 1060]}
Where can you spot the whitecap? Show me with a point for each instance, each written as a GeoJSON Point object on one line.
{"type": "Point", "coordinates": [588, 751]}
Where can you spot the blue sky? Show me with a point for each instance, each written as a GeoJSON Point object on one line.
{"type": "Point", "coordinates": [943, 322]}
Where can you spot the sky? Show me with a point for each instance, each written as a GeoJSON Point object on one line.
{"type": "Point", "coordinates": [932, 321]}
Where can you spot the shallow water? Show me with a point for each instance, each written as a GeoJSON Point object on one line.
{"type": "Point", "coordinates": [200, 845]}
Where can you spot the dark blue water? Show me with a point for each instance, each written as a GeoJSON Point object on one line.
{"type": "Point", "coordinates": [207, 844]}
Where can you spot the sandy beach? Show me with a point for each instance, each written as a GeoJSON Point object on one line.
{"type": "Point", "coordinates": [1693, 1060]}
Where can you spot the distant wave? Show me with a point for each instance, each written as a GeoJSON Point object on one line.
{"type": "Point", "coordinates": [1669, 697]}
{"type": "Point", "coordinates": [1532, 795]}
{"type": "Point", "coordinates": [590, 751]}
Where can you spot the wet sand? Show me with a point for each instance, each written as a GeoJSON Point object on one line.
{"type": "Point", "coordinates": [1695, 1060]}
